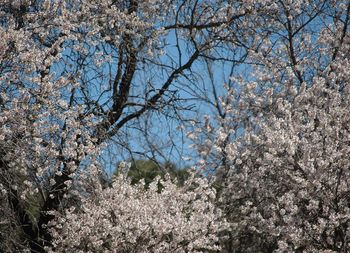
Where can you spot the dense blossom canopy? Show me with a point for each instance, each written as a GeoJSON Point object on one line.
{"type": "Point", "coordinates": [129, 218]}
{"type": "Point", "coordinates": [289, 187]}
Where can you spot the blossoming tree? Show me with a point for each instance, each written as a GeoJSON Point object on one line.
{"type": "Point", "coordinates": [76, 74]}
{"type": "Point", "coordinates": [280, 146]}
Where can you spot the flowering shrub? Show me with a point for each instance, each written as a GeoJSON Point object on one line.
{"type": "Point", "coordinates": [129, 218]}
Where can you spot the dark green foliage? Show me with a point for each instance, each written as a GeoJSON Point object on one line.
{"type": "Point", "coordinates": [149, 170]}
